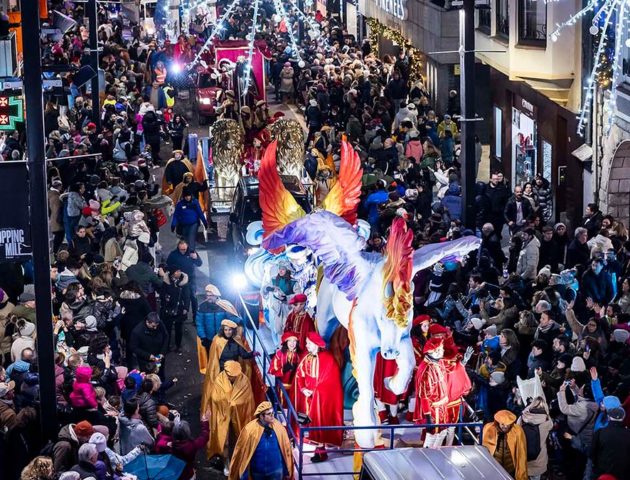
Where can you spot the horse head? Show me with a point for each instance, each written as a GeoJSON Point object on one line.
{"type": "Point", "coordinates": [396, 309]}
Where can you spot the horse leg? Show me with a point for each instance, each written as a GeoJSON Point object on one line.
{"type": "Point", "coordinates": [406, 363]}
{"type": "Point", "coordinates": [363, 409]}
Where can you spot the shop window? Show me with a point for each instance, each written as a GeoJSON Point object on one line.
{"type": "Point", "coordinates": [485, 20]}
{"type": "Point", "coordinates": [532, 22]}
{"type": "Point", "coordinates": [503, 18]}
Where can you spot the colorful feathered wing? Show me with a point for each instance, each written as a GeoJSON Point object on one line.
{"type": "Point", "coordinates": [278, 205]}
{"type": "Point", "coordinates": [343, 198]}
{"type": "Point", "coordinates": [429, 255]}
{"type": "Point", "coordinates": [334, 242]}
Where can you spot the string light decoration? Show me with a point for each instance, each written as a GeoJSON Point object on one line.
{"type": "Point", "coordinates": [218, 27]}
{"type": "Point", "coordinates": [313, 26]}
{"type": "Point", "coordinates": [250, 52]}
{"type": "Point", "coordinates": [378, 29]}
{"type": "Point", "coordinates": [610, 22]}
{"type": "Point", "coordinates": [282, 14]}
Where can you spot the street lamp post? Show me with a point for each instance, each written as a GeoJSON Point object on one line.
{"type": "Point", "coordinates": [38, 196]}
{"type": "Point", "coordinates": [467, 98]}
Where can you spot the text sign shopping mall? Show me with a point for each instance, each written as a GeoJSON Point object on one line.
{"type": "Point", "coordinates": [396, 8]}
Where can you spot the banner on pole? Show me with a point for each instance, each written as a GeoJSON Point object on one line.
{"type": "Point", "coordinates": [15, 230]}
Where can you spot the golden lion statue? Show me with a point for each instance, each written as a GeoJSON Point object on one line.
{"type": "Point", "coordinates": [227, 149]}
{"type": "Point", "coordinates": [290, 137]}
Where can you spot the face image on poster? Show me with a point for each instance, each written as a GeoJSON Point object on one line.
{"type": "Point", "coordinates": [524, 155]}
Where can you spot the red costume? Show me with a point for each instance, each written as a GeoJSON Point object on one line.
{"type": "Point", "coordinates": [320, 374]}
{"type": "Point", "coordinates": [299, 322]}
{"type": "Point", "coordinates": [382, 370]}
{"type": "Point", "coordinates": [431, 386]}
{"type": "Point", "coordinates": [284, 366]}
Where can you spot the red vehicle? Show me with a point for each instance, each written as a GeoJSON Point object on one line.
{"type": "Point", "coordinates": [208, 98]}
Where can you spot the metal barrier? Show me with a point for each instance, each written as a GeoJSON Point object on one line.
{"type": "Point", "coordinates": [474, 429]}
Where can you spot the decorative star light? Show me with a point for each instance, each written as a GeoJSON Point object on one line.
{"type": "Point", "coordinates": [610, 21]}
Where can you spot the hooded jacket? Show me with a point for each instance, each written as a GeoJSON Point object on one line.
{"type": "Point", "coordinates": [132, 433]}
{"type": "Point", "coordinates": [65, 451]}
{"type": "Point", "coordinates": [538, 466]}
{"type": "Point", "coordinates": [452, 201]}
{"type": "Point", "coordinates": [83, 394]}
{"type": "Point", "coordinates": [527, 265]}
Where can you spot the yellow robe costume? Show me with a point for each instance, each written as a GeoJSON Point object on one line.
{"type": "Point", "coordinates": [167, 188]}
{"type": "Point", "coordinates": [248, 441]}
{"type": "Point", "coordinates": [231, 405]}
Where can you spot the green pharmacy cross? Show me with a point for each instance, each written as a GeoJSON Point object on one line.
{"type": "Point", "coordinates": [11, 112]}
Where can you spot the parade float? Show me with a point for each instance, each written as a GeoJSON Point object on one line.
{"type": "Point", "coordinates": [367, 293]}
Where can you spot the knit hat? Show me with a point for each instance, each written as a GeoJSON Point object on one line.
{"type": "Point", "coordinates": [83, 429]}
{"type": "Point", "coordinates": [546, 271]}
{"type": "Point", "coordinates": [477, 322]}
{"type": "Point", "coordinates": [87, 211]}
{"type": "Point", "coordinates": [90, 323]}
{"type": "Point", "coordinates": [620, 335]}
{"type": "Point", "coordinates": [99, 441]}
{"type": "Point", "coordinates": [232, 368]}
{"type": "Point", "coordinates": [212, 290]}
{"type": "Point", "coordinates": [497, 378]}
{"type": "Point", "coordinates": [262, 407]}
{"type": "Point", "coordinates": [578, 365]}
{"type": "Point", "coordinates": [542, 306]}
{"type": "Point", "coordinates": [28, 295]}
{"type": "Point", "coordinates": [610, 402]}
{"type": "Point", "coordinates": [163, 410]}
{"type": "Point", "coordinates": [491, 330]}
{"type": "Point", "coordinates": [28, 329]}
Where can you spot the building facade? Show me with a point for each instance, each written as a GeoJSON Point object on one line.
{"type": "Point", "coordinates": [429, 27]}
{"type": "Point", "coordinates": [535, 91]}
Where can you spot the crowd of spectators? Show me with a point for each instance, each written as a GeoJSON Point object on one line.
{"type": "Point", "coordinates": [543, 302]}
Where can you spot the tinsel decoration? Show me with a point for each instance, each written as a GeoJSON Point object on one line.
{"type": "Point", "coordinates": [290, 154]}
{"type": "Point", "coordinates": [378, 29]}
{"type": "Point", "coordinates": [227, 147]}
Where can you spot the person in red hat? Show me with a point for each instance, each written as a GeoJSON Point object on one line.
{"type": "Point", "coordinates": [432, 391]}
{"type": "Point", "coordinates": [299, 320]}
{"type": "Point", "coordinates": [285, 361]}
{"type": "Point", "coordinates": [319, 395]}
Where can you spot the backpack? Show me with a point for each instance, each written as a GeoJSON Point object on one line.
{"type": "Point", "coordinates": [532, 435]}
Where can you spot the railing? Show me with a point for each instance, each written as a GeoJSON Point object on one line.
{"type": "Point", "coordinates": [474, 429]}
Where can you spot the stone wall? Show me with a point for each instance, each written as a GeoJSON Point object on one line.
{"type": "Point", "coordinates": [614, 190]}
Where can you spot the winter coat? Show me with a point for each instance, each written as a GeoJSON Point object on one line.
{"type": "Point", "coordinates": [527, 265]}
{"type": "Point", "coordinates": [55, 209]}
{"type": "Point", "coordinates": [65, 451]}
{"type": "Point", "coordinates": [286, 80]}
{"type": "Point", "coordinates": [209, 318]}
{"type": "Point", "coordinates": [83, 394]}
{"type": "Point", "coordinates": [577, 254]}
{"type": "Point", "coordinates": [498, 196]}
{"type": "Point", "coordinates": [452, 201]}
{"type": "Point", "coordinates": [175, 296]}
{"type": "Point", "coordinates": [414, 150]}
{"type": "Point", "coordinates": [74, 204]}
{"type": "Point", "coordinates": [87, 470]}
{"type": "Point", "coordinates": [136, 308]}
{"type": "Point", "coordinates": [597, 287]}
{"type": "Point", "coordinates": [538, 466]}
{"type": "Point", "coordinates": [5, 340]}
{"type": "Point", "coordinates": [20, 342]}
{"type": "Point", "coordinates": [144, 342]}
{"type": "Point", "coordinates": [133, 433]}
{"type": "Point", "coordinates": [545, 205]}
{"type": "Point", "coordinates": [145, 276]}
{"type": "Point", "coordinates": [186, 450]}
{"type": "Point", "coordinates": [578, 413]}
{"type": "Point", "coordinates": [188, 213]}
{"type": "Point", "coordinates": [148, 409]}
{"type": "Point", "coordinates": [610, 449]}
{"type": "Point", "coordinates": [510, 212]}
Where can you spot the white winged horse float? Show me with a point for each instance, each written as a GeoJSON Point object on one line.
{"type": "Point", "coordinates": [368, 293]}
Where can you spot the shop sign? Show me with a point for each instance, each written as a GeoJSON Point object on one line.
{"type": "Point", "coordinates": [15, 230]}
{"type": "Point", "coordinates": [11, 112]}
{"type": "Point", "coordinates": [396, 8]}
